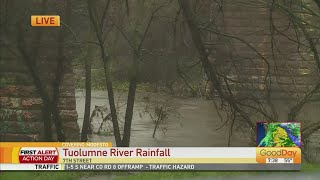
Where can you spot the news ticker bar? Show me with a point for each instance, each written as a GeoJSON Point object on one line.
{"type": "Point", "coordinates": [151, 167]}
{"type": "Point", "coordinates": [64, 155]}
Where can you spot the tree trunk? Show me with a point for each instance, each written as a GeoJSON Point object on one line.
{"type": "Point", "coordinates": [114, 117]}
{"type": "Point", "coordinates": [47, 126]}
{"type": "Point", "coordinates": [130, 101]}
{"type": "Point", "coordinates": [60, 71]}
{"type": "Point", "coordinates": [87, 108]}
{"type": "Point", "coordinates": [106, 64]}
{"type": "Point", "coordinates": [29, 60]}
{"type": "Point", "coordinates": [157, 122]}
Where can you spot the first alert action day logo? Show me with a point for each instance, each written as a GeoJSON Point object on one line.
{"type": "Point", "coordinates": [38, 155]}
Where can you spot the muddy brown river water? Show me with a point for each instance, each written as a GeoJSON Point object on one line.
{"type": "Point", "coordinates": [191, 123]}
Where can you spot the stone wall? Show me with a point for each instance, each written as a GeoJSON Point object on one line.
{"type": "Point", "coordinates": [21, 116]}
{"type": "Point", "coordinates": [249, 50]}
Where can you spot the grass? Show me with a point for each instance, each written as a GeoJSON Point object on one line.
{"type": "Point", "coordinates": [98, 83]}
{"type": "Point", "coordinates": [180, 175]}
{"type": "Point", "coordinates": [310, 167]}
{"type": "Point", "coordinates": [133, 176]}
{"type": "Point", "coordinates": [175, 175]}
{"type": "Point", "coordinates": [105, 133]}
{"type": "Point", "coordinates": [43, 175]}
{"type": "Point", "coordinates": [120, 86]}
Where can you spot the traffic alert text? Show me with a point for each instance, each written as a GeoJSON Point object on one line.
{"type": "Point", "coordinates": [47, 166]}
{"type": "Point", "coordinates": [156, 166]}
{"type": "Point", "coordinates": [131, 167]}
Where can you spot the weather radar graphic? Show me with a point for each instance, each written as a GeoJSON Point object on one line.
{"type": "Point", "coordinates": [278, 134]}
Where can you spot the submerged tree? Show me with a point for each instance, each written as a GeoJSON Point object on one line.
{"type": "Point", "coordinates": [135, 40]}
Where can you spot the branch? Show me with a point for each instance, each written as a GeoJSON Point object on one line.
{"type": "Point", "coordinates": [104, 14]}
{"type": "Point", "coordinates": [209, 70]}
{"type": "Point", "coordinates": [295, 110]}
{"type": "Point", "coordinates": [148, 26]}
{"type": "Point", "coordinates": [317, 2]}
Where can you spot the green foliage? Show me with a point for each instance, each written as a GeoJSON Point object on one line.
{"type": "Point", "coordinates": [120, 86]}
{"type": "Point", "coordinates": [106, 133]}
{"type": "Point", "coordinates": [178, 87]}
{"type": "Point", "coordinates": [79, 83]}
{"type": "Point", "coordinates": [99, 83]}
{"type": "Point", "coordinates": [4, 126]}
{"type": "Point", "coordinates": [145, 87]}
{"type": "Point", "coordinates": [5, 81]}
{"type": "Point", "coordinates": [45, 175]}
{"type": "Point", "coordinates": [189, 175]}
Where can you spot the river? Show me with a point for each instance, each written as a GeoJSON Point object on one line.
{"type": "Point", "coordinates": [192, 122]}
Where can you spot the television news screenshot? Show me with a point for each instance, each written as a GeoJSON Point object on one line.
{"type": "Point", "coordinates": [159, 89]}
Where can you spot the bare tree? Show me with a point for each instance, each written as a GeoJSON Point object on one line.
{"type": "Point", "coordinates": [87, 109]}
{"type": "Point", "coordinates": [207, 66]}
{"type": "Point", "coordinates": [135, 43]}
{"type": "Point", "coordinates": [136, 46]}
{"type": "Point", "coordinates": [50, 109]}
{"type": "Point", "coordinates": [94, 18]}
{"type": "Point", "coordinates": [221, 83]}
